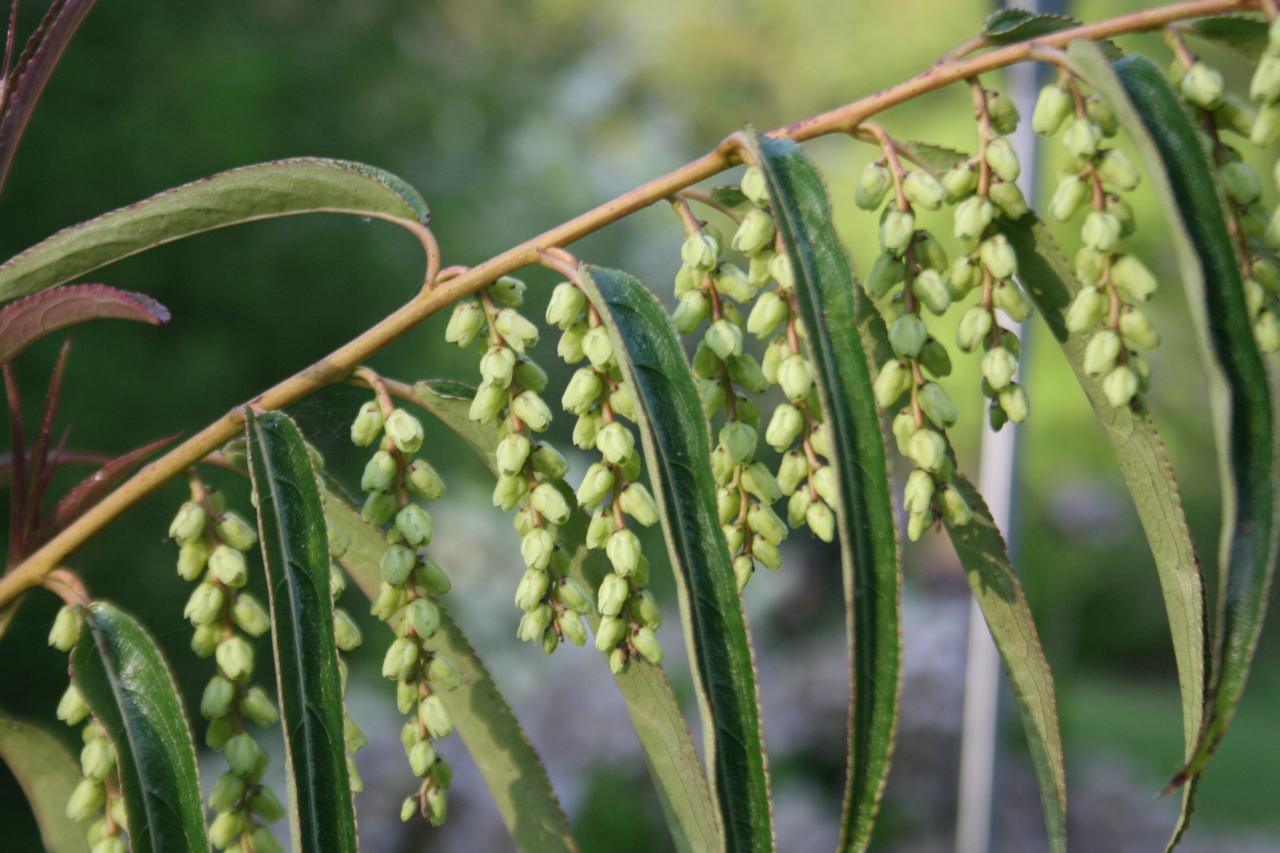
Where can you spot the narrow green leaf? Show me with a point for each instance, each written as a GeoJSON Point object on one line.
{"type": "Point", "coordinates": [979, 545]}
{"type": "Point", "coordinates": [511, 768]}
{"type": "Point", "coordinates": [652, 705]}
{"type": "Point", "coordinates": [47, 774]}
{"type": "Point", "coordinates": [129, 689]}
{"type": "Point", "coordinates": [1245, 35]}
{"type": "Point", "coordinates": [1049, 280]}
{"type": "Point", "coordinates": [674, 432]}
{"type": "Point", "coordinates": [1239, 388]}
{"type": "Point", "coordinates": [999, 593]}
{"type": "Point", "coordinates": [995, 586]}
{"type": "Point", "coordinates": [295, 554]}
{"type": "Point", "coordinates": [825, 293]}
{"type": "Point", "coordinates": [260, 191]}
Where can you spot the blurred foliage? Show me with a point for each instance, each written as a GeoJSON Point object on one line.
{"type": "Point", "coordinates": [510, 118]}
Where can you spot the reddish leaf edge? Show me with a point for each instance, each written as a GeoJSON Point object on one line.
{"type": "Point", "coordinates": [24, 321]}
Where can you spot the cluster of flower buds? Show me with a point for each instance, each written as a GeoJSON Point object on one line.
{"type": "Point", "coordinates": [1255, 226]}
{"type": "Point", "coordinates": [97, 796]}
{"type": "Point", "coordinates": [1203, 87]}
{"type": "Point", "coordinates": [1258, 232]}
{"type": "Point", "coordinates": [1264, 91]}
{"type": "Point", "coordinates": [530, 470]}
{"type": "Point", "coordinates": [795, 429]}
{"type": "Point", "coordinates": [393, 478]}
{"type": "Point", "coordinates": [347, 638]}
{"type": "Point", "coordinates": [212, 546]}
{"type": "Point", "coordinates": [913, 273]}
{"type": "Point", "coordinates": [1262, 278]}
{"type": "Point", "coordinates": [984, 191]}
{"type": "Point", "coordinates": [610, 489]}
{"type": "Point", "coordinates": [1114, 283]}
{"type": "Point", "coordinates": [716, 291]}
{"type": "Point", "coordinates": [1256, 118]}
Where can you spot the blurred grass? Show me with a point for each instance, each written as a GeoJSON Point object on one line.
{"type": "Point", "coordinates": [1137, 720]}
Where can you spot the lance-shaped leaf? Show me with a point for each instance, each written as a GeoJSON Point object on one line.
{"type": "Point", "coordinates": [24, 321]}
{"type": "Point", "coordinates": [47, 774]}
{"type": "Point", "coordinates": [511, 768]}
{"type": "Point", "coordinates": [91, 489]}
{"type": "Point", "coordinates": [34, 68]}
{"type": "Point", "coordinates": [295, 554]}
{"type": "Point", "coordinates": [1049, 280]}
{"type": "Point", "coordinates": [981, 550]}
{"type": "Point", "coordinates": [999, 594]}
{"type": "Point", "coordinates": [38, 472]}
{"type": "Point", "coordinates": [652, 705]}
{"type": "Point", "coordinates": [825, 294]}
{"type": "Point", "coordinates": [129, 689]}
{"type": "Point", "coordinates": [260, 191]}
{"type": "Point", "coordinates": [674, 432]}
{"type": "Point", "coordinates": [1239, 389]}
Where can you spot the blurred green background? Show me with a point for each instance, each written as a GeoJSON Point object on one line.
{"type": "Point", "coordinates": [510, 118]}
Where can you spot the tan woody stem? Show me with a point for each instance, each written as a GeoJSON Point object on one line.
{"type": "Point", "coordinates": [441, 292]}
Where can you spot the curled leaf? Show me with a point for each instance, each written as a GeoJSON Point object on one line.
{"type": "Point", "coordinates": [1050, 282]}
{"type": "Point", "coordinates": [260, 191]}
{"type": "Point", "coordinates": [24, 321]}
{"type": "Point", "coordinates": [1239, 387]}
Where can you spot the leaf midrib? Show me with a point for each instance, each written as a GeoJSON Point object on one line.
{"type": "Point", "coordinates": [113, 681]}
{"type": "Point", "coordinates": [307, 827]}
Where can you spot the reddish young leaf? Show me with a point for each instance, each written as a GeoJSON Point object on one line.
{"type": "Point", "coordinates": [89, 490]}
{"type": "Point", "coordinates": [17, 441]}
{"type": "Point", "coordinates": [39, 473]}
{"type": "Point", "coordinates": [56, 460]}
{"type": "Point", "coordinates": [35, 67]}
{"type": "Point", "coordinates": [24, 321]}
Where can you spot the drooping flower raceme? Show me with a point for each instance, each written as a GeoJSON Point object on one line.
{"type": "Point", "coordinates": [610, 489]}
{"type": "Point", "coordinates": [530, 469]}
{"type": "Point", "coordinates": [213, 553]}
{"type": "Point", "coordinates": [97, 798]}
{"type": "Point", "coordinates": [394, 480]}
{"type": "Point", "coordinates": [1114, 282]}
